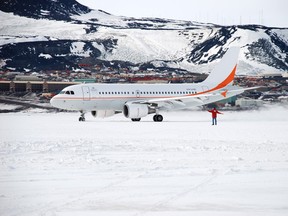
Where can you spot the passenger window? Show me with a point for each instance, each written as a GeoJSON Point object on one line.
{"type": "Point", "coordinates": [68, 92]}
{"type": "Point", "coordinates": [72, 92]}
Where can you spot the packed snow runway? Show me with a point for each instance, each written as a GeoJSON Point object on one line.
{"type": "Point", "coordinates": [53, 165]}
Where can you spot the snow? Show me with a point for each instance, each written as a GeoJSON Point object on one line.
{"type": "Point", "coordinates": [102, 18]}
{"type": "Point", "coordinates": [105, 19]}
{"type": "Point", "coordinates": [78, 48]}
{"type": "Point", "coordinates": [163, 45]}
{"type": "Point", "coordinates": [45, 12]}
{"type": "Point", "coordinates": [51, 164]}
{"type": "Point", "coordinates": [16, 29]}
{"type": "Point", "coordinates": [46, 56]}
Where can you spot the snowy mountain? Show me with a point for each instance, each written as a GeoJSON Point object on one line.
{"type": "Point", "coordinates": [63, 34]}
{"type": "Point", "coordinates": [44, 9]}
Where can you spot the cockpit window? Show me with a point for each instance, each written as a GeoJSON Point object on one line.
{"type": "Point", "coordinates": [67, 92]}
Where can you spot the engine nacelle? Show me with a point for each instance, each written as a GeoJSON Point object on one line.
{"type": "Point", "coordinates": [136, 110]}
{"type": "Point", "coordinates": [103, 113]}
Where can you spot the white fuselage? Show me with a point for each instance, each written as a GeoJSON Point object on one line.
{"type": "Point", "coordinates": [89, 97]}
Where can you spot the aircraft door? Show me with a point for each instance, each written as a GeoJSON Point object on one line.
{"type": "Point", "coordinates": [86, 93]}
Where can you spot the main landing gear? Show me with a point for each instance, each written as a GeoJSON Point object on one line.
{"type": "Point", "coordinates": [136, 119]}
{"type": "Point", "coordinates": [158, 118]}
{"type": "Point", "coordinates": [82, 117]}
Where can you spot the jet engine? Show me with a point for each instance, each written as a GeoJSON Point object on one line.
{"type": "Point", "coordinates": [135, 111]}
{"type": "Point", "coordinates": [103, 113]}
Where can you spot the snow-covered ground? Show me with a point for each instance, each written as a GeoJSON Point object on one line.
{"type": "Point", "coordinates": [8, 106]}
{"type": "Point", "coordinates": [53, 165]}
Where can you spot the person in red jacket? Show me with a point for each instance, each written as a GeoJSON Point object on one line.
{"type": "Point", "coordinates": [214, 112]}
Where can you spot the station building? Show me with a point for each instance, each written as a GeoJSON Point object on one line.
{"type": "Point", "coordinates": [34, 86]}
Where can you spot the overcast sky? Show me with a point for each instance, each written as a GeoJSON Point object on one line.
{"type": "Point", "coordinates": [273, 13]}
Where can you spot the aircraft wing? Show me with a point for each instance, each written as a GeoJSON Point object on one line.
{"type": "Point", "coordinates": [176, 102]}
{"type": "Point", "coordinates": [198, 99]}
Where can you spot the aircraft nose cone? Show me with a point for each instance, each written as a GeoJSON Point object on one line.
{"type": "Point", "coordinates": [53, 102]}
{"type": "Point", "coordinates": [59, 103]}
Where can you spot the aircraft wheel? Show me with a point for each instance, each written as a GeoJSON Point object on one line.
{"type": "Point", "coordinates": [158, 118]}
{"type": "Point", "coordinates": [81, 119]}
{"type": "Point", "coordinates": [136, 119]}
{"type": "Point", "coordinates": [154, 118]}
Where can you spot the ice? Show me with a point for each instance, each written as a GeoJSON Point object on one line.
{"type": "Point", "coordinates": [51, 164]}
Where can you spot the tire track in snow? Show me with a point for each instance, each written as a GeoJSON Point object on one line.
{"type": "Point", "coordinates": [52, 208]}
{"type": "Point", "coordinates": [203, 183]}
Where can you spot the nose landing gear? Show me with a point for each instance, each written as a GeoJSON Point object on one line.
{"type": "Point", "coordinates": [82, 117]}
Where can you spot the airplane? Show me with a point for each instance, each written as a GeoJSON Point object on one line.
{"type": "Point", "coordinates": [139, 100]}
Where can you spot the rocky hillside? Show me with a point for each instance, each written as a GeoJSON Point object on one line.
{"type": "Point", "coordinates": [42, 35]}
